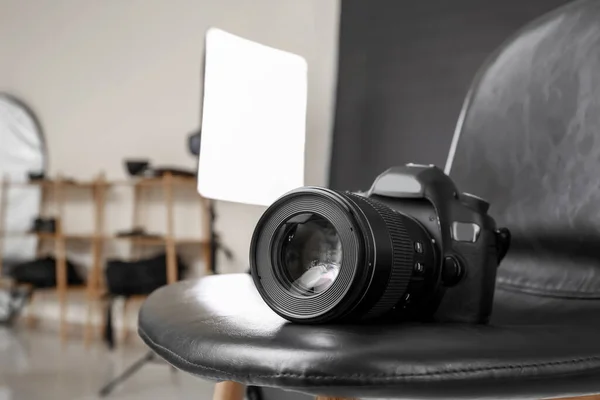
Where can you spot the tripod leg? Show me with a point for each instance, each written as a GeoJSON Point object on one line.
{"type": "Point", "coordinates": [109, 387]}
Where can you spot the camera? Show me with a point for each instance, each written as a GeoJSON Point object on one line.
{"type": "Point", "coordinates": [411, 248]}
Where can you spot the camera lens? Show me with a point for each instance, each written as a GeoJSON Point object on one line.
{"type": "Point", "coordinates": [310, 254]}
{"type": "Point", "coordinates": [319, 255]}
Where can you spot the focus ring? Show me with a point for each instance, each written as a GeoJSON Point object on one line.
{"type": "Point", "coordinates": [402, 258]}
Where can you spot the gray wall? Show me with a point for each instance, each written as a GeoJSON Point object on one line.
{"type": "Point", "coordinates": [404, 70]}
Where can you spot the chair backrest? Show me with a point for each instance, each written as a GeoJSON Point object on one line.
{"type": "Point", "coordinates": [528, 140]}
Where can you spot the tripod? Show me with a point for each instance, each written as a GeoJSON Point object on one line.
{"type": "Point", "coordinates": [150, 356]}
{"type": "Point", "coordinates": [110, 386]}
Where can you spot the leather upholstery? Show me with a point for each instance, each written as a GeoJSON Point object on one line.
{"type": "Point", "coordinates": [219, 328]}
{"type": "Point", "coordinates": [530, 142]}
{"type": "Point", "coordinates": [527, 141]}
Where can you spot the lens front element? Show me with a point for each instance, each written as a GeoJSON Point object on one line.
{"type": "Point", "coordinates": [310, 254]}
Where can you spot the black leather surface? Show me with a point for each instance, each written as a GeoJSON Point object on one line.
{"type": "Point", "coordinates": [219, 328]}
{"type": "Point", "coordinates": [530, 143]}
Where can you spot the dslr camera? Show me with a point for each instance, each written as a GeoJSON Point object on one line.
{"type": "Point", "coordinates": [411, 248]}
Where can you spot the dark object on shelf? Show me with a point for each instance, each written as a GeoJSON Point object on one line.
{"type": "Point", "coordinates": [44, 225]}
{"type": "Point", "coordinates": [137, 167]}
{"type": "Point", "coordinates": [139, 233]}
{"type": "Point", "coordinates": [522, 141]}
{"type": "Point", "coordinates": [7, 266]}
{"type": "Point", "coordinates": [36, 176]}
{"type": "Point", "coordinates": [175, 171]}
{"type": "Point", "coordinates": [70, 181]}
{"type": "Point", "coordinates": [41, 273]}
{"type": "Point", "coordinates": [142, 168]}
{"type": "Point", "coordinates": [129, 278]}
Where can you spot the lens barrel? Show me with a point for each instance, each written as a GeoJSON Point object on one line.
{"type": "Point", "coordinates": [319, 255]}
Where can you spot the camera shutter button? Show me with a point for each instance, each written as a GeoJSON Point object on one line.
{"type": "Point", "coordinates": [452, 271]}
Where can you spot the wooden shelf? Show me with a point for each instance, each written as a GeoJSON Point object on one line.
{"type": "Point", "coordinates": [57, 189]}
{"type": "Point", "coordinates": [151, 241]}
{"type": "Point", "coordinates": [40, 235]}
{"type": "Point", "coordinates": [50, 236]}
{"type": "Point", "coordinates": [202, 242]}
{"type": "Point", "coordinates": [9, 282]}
{"type": "Point", "coordinates": [53, 183]}
{"type": "Point", "coordinates": [142, 240]}
{"type": "Point", "coordinates": [158, 181]}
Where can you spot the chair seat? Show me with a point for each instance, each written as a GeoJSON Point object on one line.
{"type": "Point", "coordinates": [219, 328]}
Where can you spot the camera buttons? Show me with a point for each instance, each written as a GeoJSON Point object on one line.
{"type": "Point", "coordinates": [419, 268]}
{"type": "Point", "coordinates": [406, 300]}
{"type": "Point", "coordinates": [419, 247]}
{"type": "Point", "coordinates": [465, 232]}
{"type": "Point", "coordinates": [452, 271]}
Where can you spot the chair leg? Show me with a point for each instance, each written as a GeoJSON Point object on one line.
{"type": "Point", "coordinates": [229, 390]}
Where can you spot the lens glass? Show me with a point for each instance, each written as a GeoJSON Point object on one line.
{"type": "Point", "coordinates": [310, 254]}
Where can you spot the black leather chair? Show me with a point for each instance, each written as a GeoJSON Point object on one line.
{"type": "Point", "coordinates": [528, 139]}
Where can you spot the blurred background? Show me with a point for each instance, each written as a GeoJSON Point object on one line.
{"type": "Point", "coordinates": [99, 205]}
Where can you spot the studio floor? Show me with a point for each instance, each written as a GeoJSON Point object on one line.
{"type": "Point", "coordinates": [35, 365]}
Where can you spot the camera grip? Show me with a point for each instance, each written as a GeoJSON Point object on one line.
{"type": "Point", "coordinates": [471, 299]}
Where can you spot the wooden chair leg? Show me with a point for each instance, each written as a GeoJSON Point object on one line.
{"type": "Point", "coordinates": [229, 390]}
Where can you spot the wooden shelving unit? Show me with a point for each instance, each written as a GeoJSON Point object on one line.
{"type": "Point", "coordinates": [98, 238]}
{"type": "Point", "coordinates": [52, 192]}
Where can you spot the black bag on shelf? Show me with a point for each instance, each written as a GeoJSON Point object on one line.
{"type": "Point", "coordinates": [41, 273]}
{"type": "Point", "coordinates": [128, 278]}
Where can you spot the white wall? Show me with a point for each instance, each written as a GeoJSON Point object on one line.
{"type": "Point", "coordinates": [111, 79]}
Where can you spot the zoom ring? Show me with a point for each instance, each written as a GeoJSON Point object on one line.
{"type": "Point", "coordinates": [402, 259]}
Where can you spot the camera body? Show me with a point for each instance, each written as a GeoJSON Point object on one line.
{"type": "Point", "coordinates": [411, 248]}
{"type": "Point", "coordinates": [466, 243]}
